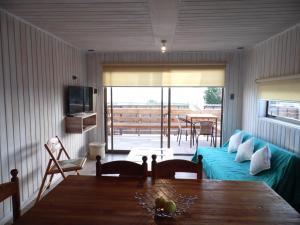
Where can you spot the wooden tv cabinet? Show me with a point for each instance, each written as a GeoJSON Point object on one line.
{"type": "Point", "coordinates": [81, 123]}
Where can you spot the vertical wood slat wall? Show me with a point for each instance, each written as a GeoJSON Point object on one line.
{"type": "Point", "coordinates": [34, 69]}
{"type": "Point", "coordinates": [233, 81]}
{"type": "Point", "coordinates": [277, 56]}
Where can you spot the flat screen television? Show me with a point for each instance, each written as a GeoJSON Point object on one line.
{"type": "Point", "coordinates": [80, 99]}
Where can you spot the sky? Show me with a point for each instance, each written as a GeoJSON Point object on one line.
{"type": "Point", "coordinates": [140, 95]}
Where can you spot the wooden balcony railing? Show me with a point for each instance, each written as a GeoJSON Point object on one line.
{"type": "Point", "coordinates": [148, 120]}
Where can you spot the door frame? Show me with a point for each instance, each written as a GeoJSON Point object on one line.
{"type": "Point", "coordinates": [119, 151]}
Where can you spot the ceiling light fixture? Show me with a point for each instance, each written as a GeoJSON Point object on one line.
{"type": "Point", "coordinates": [163, 47]}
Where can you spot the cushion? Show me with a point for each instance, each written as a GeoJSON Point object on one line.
{"type": "Point", "coordinates": [68, 165]}
{"type": "Point", "coordinates": [234, 142]}
{"type": "Point", "coordinates": [246, 136]}
{"type": "Point", "coordinates": [260, 160]}
{"type": "Point", "coordinates": [245, 151]}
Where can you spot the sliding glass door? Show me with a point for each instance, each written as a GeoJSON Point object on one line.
{"type": "Point", "coordinates": [158, 117]}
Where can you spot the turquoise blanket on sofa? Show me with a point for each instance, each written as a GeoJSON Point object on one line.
{"type": "Point", "coordinates": [283, 177]}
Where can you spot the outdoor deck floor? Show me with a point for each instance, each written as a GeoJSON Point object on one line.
{"type": "Point", "coordinates": [128, 141]}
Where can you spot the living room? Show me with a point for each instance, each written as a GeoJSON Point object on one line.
{"type": "Point", "coordinates": [49, 46]}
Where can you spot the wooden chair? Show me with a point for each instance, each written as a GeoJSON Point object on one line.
{"type": "Point", "coordinates": [167, 169]}
{"type": "Point", "coordinates": [55, 165]}
{"type": "Point", "coordinates": [205, 128]}
{"type": "Point", "coordinates": [11, 189]}
{"type": "Point", "coordinates": [122, 167]}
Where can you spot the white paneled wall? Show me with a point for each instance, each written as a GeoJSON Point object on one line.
{"type": "Point", "coordinates": [35, 67]}
{"type": "Point", "coordinates": [232, 59]}
{"type": "Point", "coordinates": [277, 56]}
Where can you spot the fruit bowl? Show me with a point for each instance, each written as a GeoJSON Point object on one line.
{"type": "Point", "coordinates": [161, 213]}
{"type": "Point", "coordinates": [165, 204]}
{"type": "Point", "coordinates": [164, 208]}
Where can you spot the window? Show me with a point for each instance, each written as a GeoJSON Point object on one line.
{"type": "Point", "coordinates": [288, 111]}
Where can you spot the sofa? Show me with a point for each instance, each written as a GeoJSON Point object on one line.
{"type": "Point", "coordinates": [283, 177]}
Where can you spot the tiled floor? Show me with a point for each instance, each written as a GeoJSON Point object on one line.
{"type": "Point", "coordinates": [128, 141]}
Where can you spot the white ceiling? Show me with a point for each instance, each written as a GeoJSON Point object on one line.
{"type": "Point", "coordinates": [140, 25]}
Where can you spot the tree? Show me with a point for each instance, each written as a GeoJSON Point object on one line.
{"type": "Point", "coordinates": [213, 96]}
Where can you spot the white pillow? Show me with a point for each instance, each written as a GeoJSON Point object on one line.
{"type": "Point", "coordinates": [260, 160]}
{"type": "Point", "coordinates": [234, 142]}
{"type": "Point", "coordinates": [245, 151]}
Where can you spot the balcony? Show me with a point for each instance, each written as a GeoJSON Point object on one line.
{"type": "Point", "coordinates": [141, 126]}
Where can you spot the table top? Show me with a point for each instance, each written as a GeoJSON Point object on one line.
{"type": "Point", "coordinates": [89, 200]}
{"type": "Point", "coordinates": [201, 115]}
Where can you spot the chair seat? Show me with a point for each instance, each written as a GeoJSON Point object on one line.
{"type": "Point", "coordinates": [68, 165]}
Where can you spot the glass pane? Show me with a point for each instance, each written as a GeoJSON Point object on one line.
{"type": "Point", "coordinates": [204, 105]}
{"type": "Point", "coordinates": [136, 117]}
{"type": "Point", "coordinates": [288, 110]}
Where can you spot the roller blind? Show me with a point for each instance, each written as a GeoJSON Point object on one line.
{"type": "Point", "coordinates": [170, 76]}
{"type": "Point", "coordinates": [285, 90]}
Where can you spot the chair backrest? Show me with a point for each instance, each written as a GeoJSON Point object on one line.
{"type": "Point", "coordinates": [206, 128]}
{"type": "Point", "coordinates": [53, 145]}
{"type": "Point", "coordinates": [182, 122]}
{"type": "Point", "coordinates": [11, 189]}
{"type": "Point", "coordinates": [122, 167]}
{"type": "Point", "coordinates": [167, 169]}
{"type": "Point", "coordinates": [178, 122]}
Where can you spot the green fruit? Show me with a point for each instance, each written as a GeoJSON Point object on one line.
{"type": "Point", "coordinates": [160, 202]}
{"type": "Point", "coordinates": [170, 207]}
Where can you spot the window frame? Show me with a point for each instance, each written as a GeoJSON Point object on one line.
{"type": "Point", "coordinates": [280, 118]}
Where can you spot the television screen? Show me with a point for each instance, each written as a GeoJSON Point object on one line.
{"type": "Point", "coordinates": [88, 99]}
{"type": "Point", "coordinates": [75, 99]}
{"type": "Point", "coordinates": [80, 99]}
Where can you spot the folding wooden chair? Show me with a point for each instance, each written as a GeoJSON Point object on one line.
{"type": "Point", "coordinates": [122, 167]}
{"type": "Point", "coordinates": [167, 169]}
{"type": "Point", "coordinates": [55, 165]}
{"type": "Point", "coordinates": [11, 189]}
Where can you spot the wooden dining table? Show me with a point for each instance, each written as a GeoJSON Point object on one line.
{"type": "Point", "coordinates": [89, 200]}
{"type": "Point", "coordinates": [196, 117]}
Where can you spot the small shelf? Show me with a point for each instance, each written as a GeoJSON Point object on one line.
{"type": "Point", "coordinates": [81, 123]}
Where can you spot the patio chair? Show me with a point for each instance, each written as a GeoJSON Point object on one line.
{"type": "Point", "coordinates": [205, 128]}
{"type": "Point", "coordinates": [122, 168]}
{"type": "Point", "coordinates": [55, 165]}
{"type": "Point", "coordinates": [183, 128]}
{"type": "Point", "coordinates": [11, 189]}
{"type": "Point", "coordinates": [167, 169]}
